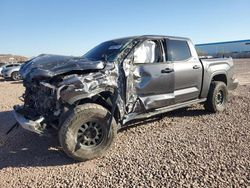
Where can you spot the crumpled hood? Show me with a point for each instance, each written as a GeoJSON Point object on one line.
{"type": "Point", "coordinates": [47, 66]}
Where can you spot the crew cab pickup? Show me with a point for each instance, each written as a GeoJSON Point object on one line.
{"type": "Point", "coordinates": [88, 99]}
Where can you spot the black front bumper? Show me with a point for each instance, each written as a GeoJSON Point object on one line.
{"type": "Point", "coordinates": [30, 125]}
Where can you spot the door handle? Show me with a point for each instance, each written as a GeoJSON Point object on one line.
{"type": "Point", "coordinates": [167, 70]}
{"type": "Point", "coordinates": [196, 67]}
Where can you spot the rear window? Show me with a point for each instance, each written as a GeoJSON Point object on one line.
{"type": "Point", "coordinates": [178, 50]}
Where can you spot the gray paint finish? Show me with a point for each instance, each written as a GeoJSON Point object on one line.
{"type": "Point", "coordinates": [154, 87]}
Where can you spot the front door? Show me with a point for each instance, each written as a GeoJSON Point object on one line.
{"type": "Point", "coordinates": [153, 76]}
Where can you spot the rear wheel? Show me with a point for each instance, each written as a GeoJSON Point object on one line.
{"type": "Point", "coordinates": [217, 97]}
{"type": "Point", "coordinates": [84, 134]}
{"type": "Point", "coordinates": [16, 76]}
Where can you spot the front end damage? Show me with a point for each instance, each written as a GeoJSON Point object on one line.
{"type": "Point", "coordinates": [56, 84]}
{"type": "Point", "coordinates": [48, 95]}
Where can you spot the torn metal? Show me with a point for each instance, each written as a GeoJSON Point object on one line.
{"type": "Point", "coordinates": [54, 84]}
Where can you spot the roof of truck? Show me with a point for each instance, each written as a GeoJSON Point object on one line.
{"type": "Point", "coordinates": [152, 37]}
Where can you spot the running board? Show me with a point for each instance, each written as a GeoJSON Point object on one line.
{"type": "Point", "coordinates": [136, 116]}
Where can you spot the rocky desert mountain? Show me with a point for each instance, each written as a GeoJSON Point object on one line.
{"type": "Point", "coordinates": [9, 58]}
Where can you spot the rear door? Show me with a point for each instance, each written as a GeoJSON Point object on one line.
{"type": "Point", "coordinates": [153, 75]}
{"type": "Point", "coordinates": [188, 70]}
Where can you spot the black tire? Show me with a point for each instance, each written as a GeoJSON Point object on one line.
{"type": "Point", "coordinates": [15, 76]}
{"type": "Point", "coordinates": [217, 97]}
{"type": "Point", "coordinates": [78, 141]}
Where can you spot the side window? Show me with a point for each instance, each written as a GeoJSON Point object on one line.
{"type": "Point", "coordinates": [178, 50]}
{"type": "Point", "coordinates": [148, 52]}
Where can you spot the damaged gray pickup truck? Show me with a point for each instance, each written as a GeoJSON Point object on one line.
{"type": "Point", "coordinates": [88, 99]}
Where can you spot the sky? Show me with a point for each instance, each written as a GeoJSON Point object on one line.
{"type": "Point", "coordinates": [32, 27]}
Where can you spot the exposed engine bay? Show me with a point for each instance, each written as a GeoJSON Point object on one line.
{"type": "Point", "coordinates": [54, 84]}
{"type": "Point", "coordinates": [51, 99]}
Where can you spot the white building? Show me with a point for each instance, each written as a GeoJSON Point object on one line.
{"type": "Point", "coordinates": [235, 49]}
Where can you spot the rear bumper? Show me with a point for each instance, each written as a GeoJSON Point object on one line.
{"type": "Point", "coordinates": [30, 125]}
{"type": "Point", "coordinates": [233, 85]}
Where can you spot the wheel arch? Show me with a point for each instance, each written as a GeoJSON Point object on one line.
{"type": "Point", "coordinates": [215, 76]}
{"type": "Point", "coordinates": [104, 99]}
{"type": "Point", "coordinates": [219, 77]}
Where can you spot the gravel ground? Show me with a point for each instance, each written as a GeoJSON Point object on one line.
{"type": "Point", "coordinates": [189, 148]}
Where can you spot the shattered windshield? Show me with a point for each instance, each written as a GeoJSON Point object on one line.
{"type": "Point", "coordinates": [107, 50]}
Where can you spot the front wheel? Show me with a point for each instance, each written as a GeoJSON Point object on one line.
{"type": "Point", "coordinates": [217, 97]}
{"type": "Point", "coordinates": [84, 134]}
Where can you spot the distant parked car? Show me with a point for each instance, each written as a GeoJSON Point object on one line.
{"type": "Point", "coordinates": [11, 71]}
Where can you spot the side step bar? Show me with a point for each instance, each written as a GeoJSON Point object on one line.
{"type": "Point", "coordinates": [135, 116]}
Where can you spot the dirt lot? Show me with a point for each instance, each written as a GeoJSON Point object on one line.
{"type": "Point", "coordinates": [189, 148]}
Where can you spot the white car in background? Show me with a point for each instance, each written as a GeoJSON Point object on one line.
{"type": "Point", "coordinates": [11, 71]}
